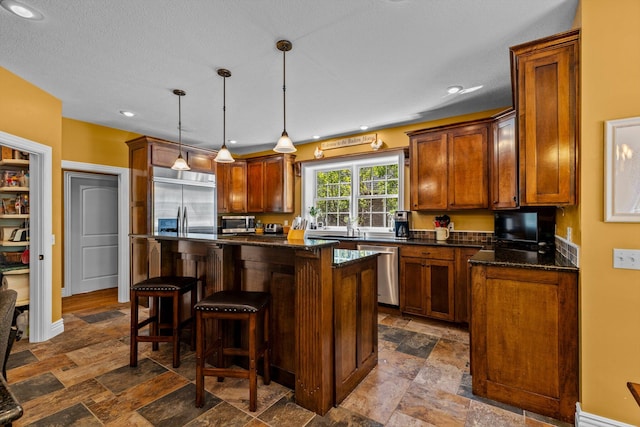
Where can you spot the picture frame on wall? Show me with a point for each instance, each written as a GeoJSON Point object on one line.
{"type": "Point", "coordinates": [622, 170]}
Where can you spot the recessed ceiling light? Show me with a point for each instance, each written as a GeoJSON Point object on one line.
{"type": "Point", "coordinates": [232, 141]}
{"type": "Point", "coordinates": [127, 113]}
{"type": "Point", "coordinates": [21, 10]}
{"type": "Point", "coordinates": [364, 127]}
{"type": "Point", "coordinates": [453, 89]}
{"type": "Point", "coordinates": [316, 136]}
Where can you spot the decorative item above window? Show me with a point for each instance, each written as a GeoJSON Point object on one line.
{"type": "Point", "coordinates": [347, 142]}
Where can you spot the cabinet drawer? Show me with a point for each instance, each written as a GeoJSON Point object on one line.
{"type": "Point", "coordinates": [428, 252]}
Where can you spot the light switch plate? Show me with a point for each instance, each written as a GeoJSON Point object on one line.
{"type": "Point", "coordinates": [626, 258]}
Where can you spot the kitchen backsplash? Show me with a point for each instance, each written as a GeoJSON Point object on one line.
{"type": "Point", "coordinates": [569, 250]}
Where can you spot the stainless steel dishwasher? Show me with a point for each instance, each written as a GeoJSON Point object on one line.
{"type": "Point", "coordinates": [388, 290]}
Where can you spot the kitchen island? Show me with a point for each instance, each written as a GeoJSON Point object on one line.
{"type": "Point", "coordinates": [323, 325]}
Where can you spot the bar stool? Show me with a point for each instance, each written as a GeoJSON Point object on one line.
{"type": "Point", "coordinates": [232, 305]}
{"type": "Point", "coordinates": [155, 288]}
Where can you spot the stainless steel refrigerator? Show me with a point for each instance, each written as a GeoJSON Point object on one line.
{"type": "Point", "coordinates": [184, 201]}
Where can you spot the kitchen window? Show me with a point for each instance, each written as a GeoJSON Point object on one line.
{"type": "Point", "coordinates": [368, 190]}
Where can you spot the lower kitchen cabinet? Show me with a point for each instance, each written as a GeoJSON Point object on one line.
{"type": "Point", "coordinates": [427, 279]}
{"type": "Point", "coordinates": [355, 302]}
{"type": "Point", "coordinates": [524, 338]}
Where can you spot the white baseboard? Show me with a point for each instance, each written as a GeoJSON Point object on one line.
{"type": "Point", "coordinates": [585, 419]}
{"type": "Point", "coordinates": [57, 328]}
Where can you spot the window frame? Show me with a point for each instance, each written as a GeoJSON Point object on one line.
{"type": "Point", "coordinates": [308, 181]}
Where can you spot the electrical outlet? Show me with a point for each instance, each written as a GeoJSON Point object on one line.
{"type": "Point", "coordinates": [451, 226]}
{"type": "Point", "coordinates": [569, 234]}
{"type": "Point", "coordinates": [626, 258]}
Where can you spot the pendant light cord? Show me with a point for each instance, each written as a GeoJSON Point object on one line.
{"type": "Point", "coordinates": [284, 89]}
{"type": "Point", "coordinates": [224, 112]}
{"type": "Point", "coordinates": [180, 124]}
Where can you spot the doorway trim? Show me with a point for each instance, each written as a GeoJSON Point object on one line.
{"type": "Point", "coordinates": [123, 220]}
{"type": "Point", "coordinates": [41, 327]}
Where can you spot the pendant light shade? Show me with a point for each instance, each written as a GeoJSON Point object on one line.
{"type": "Point", "coordinates": [284, 145]}
{"type": "Point", "coordinates": [180, 164]}
{"type": "Point", "coordinates": [224, 155]}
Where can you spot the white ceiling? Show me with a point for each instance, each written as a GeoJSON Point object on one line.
{"type": "Point", "coordinates": [357, 62]}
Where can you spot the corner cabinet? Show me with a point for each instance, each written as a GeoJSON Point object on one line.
{"type": "Point", "coordinates": [504, 162]}
{"type": "Point", "coordinates": [14, 223]}
{"type": "Point", "coordinates": [449, 166]}
{"type": "Point", "coordinates": [524, 338]}
{"type": "Point", "coordinates": [545, 78]}
{"type": "Point", "coordinates": [270, 183]}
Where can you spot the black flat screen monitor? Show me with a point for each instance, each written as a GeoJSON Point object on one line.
{"type": "Point", "coordinates": [515, 226]}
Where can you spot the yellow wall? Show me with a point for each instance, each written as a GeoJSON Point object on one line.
{"type": "Point", "coordinates": [89, 143]}
{"type": "Point", "coordinates": [31, 113]}
{"type": "Point", "coordinates": [610, 299]}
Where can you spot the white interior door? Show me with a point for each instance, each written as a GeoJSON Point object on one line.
{"type": "Point", "coordinates": [93, 233]}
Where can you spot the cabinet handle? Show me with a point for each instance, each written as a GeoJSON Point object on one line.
{"type": "Point", "coordinates": [515, 198]}
{"type": "Point", "coordinates": [495, 202]}
{"type": "Point", "coordinates": [426, 253]}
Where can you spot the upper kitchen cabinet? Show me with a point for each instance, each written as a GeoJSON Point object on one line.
{"type": "Point", "coordinates": [449, 167]}
{"type": "Point", "coordinates": [164, 153]}
{"type": "Point", "coordinates": [545, 78]}
{"type": "Point", "coordinates": [270, 183]}
{"type": "Point", "coordinates": [504, 162]}
{"type": "Point", "coordinates": [232, 187]}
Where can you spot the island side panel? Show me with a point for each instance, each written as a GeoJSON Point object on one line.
{"type": "Point", "coordinates": [314, 386]}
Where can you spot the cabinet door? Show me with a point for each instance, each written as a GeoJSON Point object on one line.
{"type": "Point", "coordinates": [232, 187]}
{"type": "Point", "coordinates": [164, 155]}
{"type": "Point", "coordinates": [255, 186]}
{"type": "Point", "coordinates": [238, 187]}
{"type": "Point", "coordinates": [547, 90]}
{"type": "Point", "coordinates": [462, 298]}
{"type": "Point", "coordinates": [200, 162]}
{"type": "Point", "coordinates": [413, 290]}
{"type": "Point", "coordinates": [273, 185]}
{"type": "Point", "coordinates": [504, 164]}
{"type": "Point", "coordinates": [468, 167]}
{"type": "Point", "coordinates": [440, 289]}
{"type": "Point", "coordinates": [429, 171]}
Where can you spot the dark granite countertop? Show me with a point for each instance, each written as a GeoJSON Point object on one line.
{"type": "Point", "coordinates": [274, 240]}
{"type": "Point", "coordinates": [382, 238]}
{"type": "Point", "coordinates": [344, 257]}
{"type": "Point", "coordinates": [523, 259]}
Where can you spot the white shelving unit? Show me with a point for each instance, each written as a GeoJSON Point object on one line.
{"type": "Point", "coordinates": [15, 274]}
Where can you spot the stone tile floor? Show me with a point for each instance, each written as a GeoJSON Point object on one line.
{"type": "Point", "coordinates": [82, 377]}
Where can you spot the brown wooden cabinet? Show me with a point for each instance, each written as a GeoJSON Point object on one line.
{"type": "Point", "coordinates": [144, 153]}
{"type": "Point", "coordinates": [232, 187]}
{"type": "Point", "coordinates": [270, 183]}
{"type": "Point", "coordinates": [355, 300]}
{"type": "Point", "coordinates": [164, 153]}
{"type": "Point", "coordinates": [462, 297]}
{"type": "Point", "coordinates": [427, 279]}
{"type": "Point", "coordinates": [449, 167]}
{"type": "Point", "coordinates": [524, 338]}
{"type": "Point", "coordinates": [504, 162]}
{"type": "Point", "coordinates": [545, 75]}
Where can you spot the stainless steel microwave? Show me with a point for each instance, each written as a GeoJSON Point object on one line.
{"type": "Point", "coordinates": [238, 224]}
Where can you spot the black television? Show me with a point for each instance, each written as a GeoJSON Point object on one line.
{"type": "Point", "coordinates": [528, 229]}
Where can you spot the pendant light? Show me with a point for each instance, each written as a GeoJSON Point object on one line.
{"type": "Point", "coordinates": [224, 156]}
{"type": "Point", "coordinates": [284, 145]}
{"type": "Point", "coordinates": [180, 164]}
